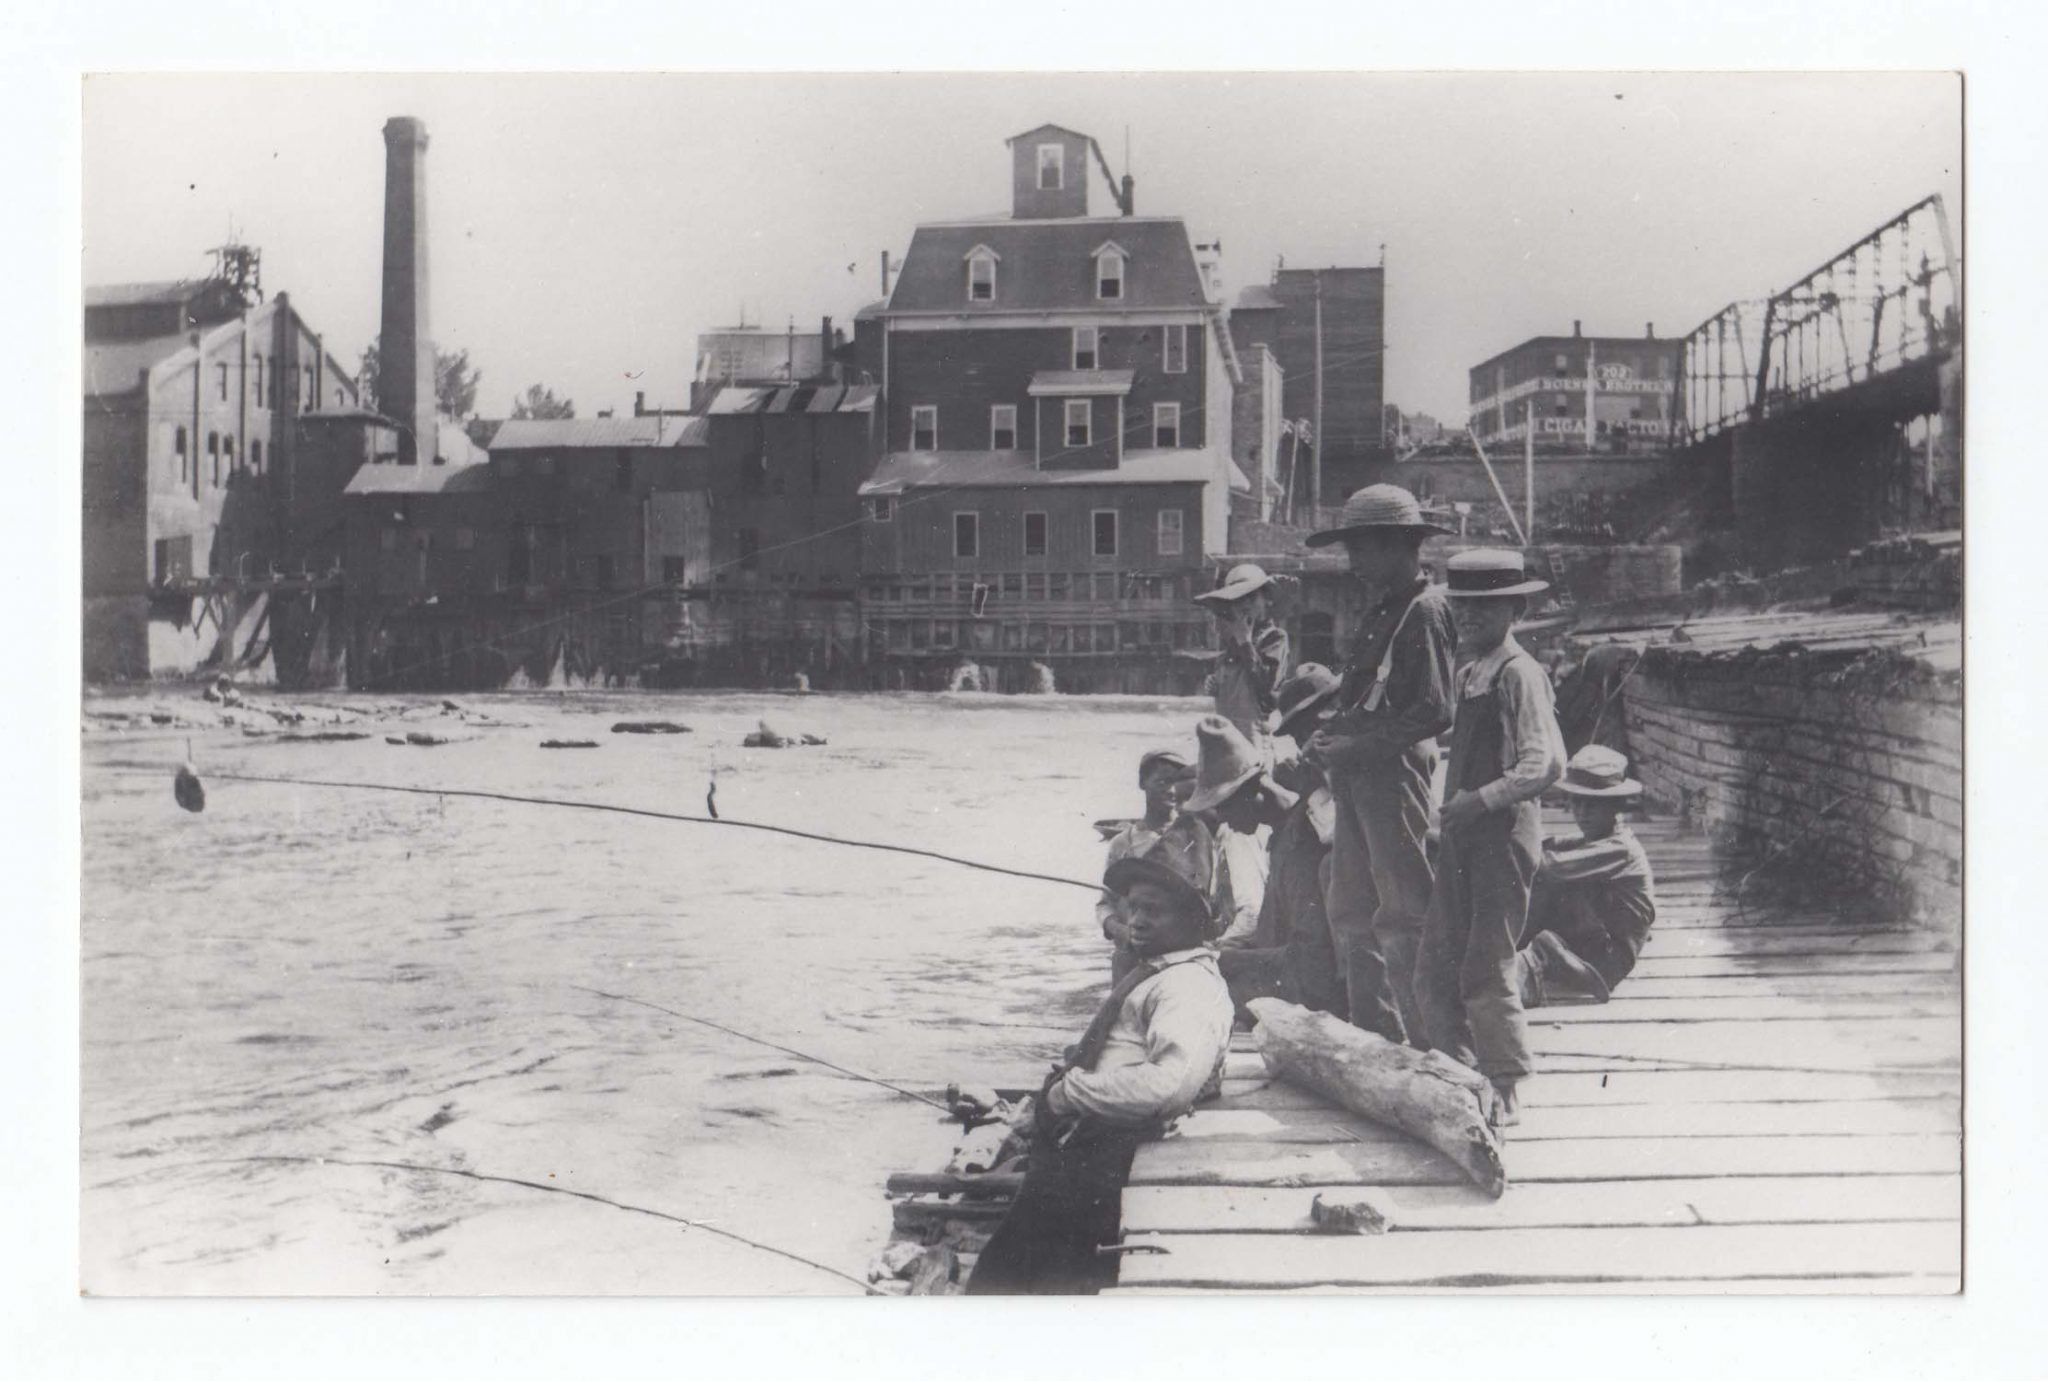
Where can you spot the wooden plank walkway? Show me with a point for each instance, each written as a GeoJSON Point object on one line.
{"type": "Point", "coordinates": [1771, 1104]}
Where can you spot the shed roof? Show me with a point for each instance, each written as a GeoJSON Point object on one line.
{"type": "Point", "coordinates": [1257, 298]}
{"type": "Point", "coordinates": [814, 398]}
{"type": "Point", "coordinates": [597, 433]}
{"type": "Point", "coordinates": [143, 294]}
{"type": "Point", "coordinates": [385, 477]}
{"type": "Point", "coordinates": [902, 470]}
{"type": "Point", "coordinates": [117, 366]}
{"type": "Point", "coordinates": [1049, 265]}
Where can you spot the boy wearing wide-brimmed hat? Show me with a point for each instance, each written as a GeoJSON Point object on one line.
{"type": "Point", "coordinates": [1158, 1040]}
{"type": "Point", "coordinates": [1506, 751]}
{"type": "Point", "coordinates": [1166, 831]}
{"type": "Point", "coordinates": [1594, 900]}
{"type": "Point", "coordinates": [1380, 753]}
{"type": "Point", "coordinates": [1289, 952]}
{"type": "Point", "coordinates": [1246, 682]}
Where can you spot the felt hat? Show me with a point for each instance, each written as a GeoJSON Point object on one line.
{"type": "Point", "coordinates": [1376, 506]}
{"type": "Point", "coordinates": [1311, 685]}
{"type": "Point", "coordinates": [1489, 573]}
{"type": "Point", "coordinates": [1598, 772]}
{"type": "Point", "coordinates": [1228, 763]}
{"type": "Point", "coordinates": [1247, 578]}
{"type": "Point", "coordinates": [1157, 757]}
{"type": "Point", "coordinates": [1127, 872]}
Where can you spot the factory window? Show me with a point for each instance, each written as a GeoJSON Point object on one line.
{"type": "Point", "coordinates": [227, 453]}
{"type": "Point", "coordinates": [1052, 167]}
{"type": "Point", "coordinates": [256, 457]}
{"type": "Point", "coordinates": [1663, 366]}
{"type": "Point", "coordinates": [213, 454]}
{"type": "Point", "coordinates": [675, 569]}
{"type": "Point", "coordinates": [1169, 532]}
{"type": "Point", "coordinates": [173, 558]}
{"type": "Point", "coordinates": [1002, 427]}
{"type": "Point", "coordinates": [274, 372]}
{"type": "Point", "coordinates": [942, 633]}
{"type": "Point", "coordinates": [1563, 407]}
{"type": "Point", "coordinates": [1563, 365]}
{"type": "Point", "coordinates": [311, 395]}
{"type": "Point", "coordinates": [184, 461]}
{"type": "Point", "coordinates": [966, 534]}
{"type": "Point", "coordinates": [341, 397]}
{"type": "Point", "coordinates": [388, 539]}
{"type": "Point", "coordinates": [750, 549]}
{"type": "Point", "coordinates": [1086, 340]}
{"type": "Point", "coordinates": [223, 370]}
{"type": "Point", "coordinates": [1034, 534]}
{"type": "Point", "coordinates": [1166, 425]}
{"type": "Point", "coordinates": [1109, 274]}
{"type": "Point", "coordinates": [1176, 349]}
{"type": "Point", "coordinates": [544, 464]}
{"type": "Point", "coordinates": [924, 428]}
{"type": "Point", "coordinates": [882, 509]}
{"type": "Point", "coordinates": [981, 276]}
{"type": "Point", "coordinates": [1077, 421]}
{"type": "Point", "coordinates": [257, 379]}
{"type": "Point", "coordinates": [1104, 520]}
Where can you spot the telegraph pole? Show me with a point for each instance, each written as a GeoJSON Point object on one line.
{"type": "Point", "coordinates": [1316, 452]}
{"type": "Point", "coordinates": [1529, 474]}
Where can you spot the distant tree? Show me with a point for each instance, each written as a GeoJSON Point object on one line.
{"type": "Point", "coordinates": [454, 381]}
{"type": "Point", "coordinates": [541, 403]}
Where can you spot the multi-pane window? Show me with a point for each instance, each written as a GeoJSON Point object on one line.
{"type": "Point", "coordinates": [256, 456]}
{"type": "Point", "coordinates": [184, 461]}
{"type": "Point", "coordinates": [1166, 424]}
{"type": "Point", "coordinates": [882, 508]}
{"type": "Point", "coordinates": [222, 369]}
{"type": "Point", "coordinates": [981, 278]}
{"type": "Point", "coordinates": [924, 428]}
{"type": "Point", "coordinates": [1002, 427]}
{"type": "Point", "coordinates": [1176, 349]}
{"type": "Point", "coordinates": [1109, 275]}
{"type": "Point", "coordinates": [1034, 534]}
{"type": "Point", "coordinates": [1169, 531]}
{"type": "Point", "coordinates": [1078, 421]}
{"type": "Point", "coordinates": [213, 455]}
{"type": "Point", "coordinates": [1052, 167]}
{"type": "Point", "coordinates": [966, 534]}
{"type": "Point", "coordinates": [1104, 520]}
{"type": "Point", "coordinates": [1086, 339]}
{"type": "Point", "coordinates": [311, 397]}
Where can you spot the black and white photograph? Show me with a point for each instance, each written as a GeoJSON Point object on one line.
{"type": "Point", "coordinates": [976, 684]}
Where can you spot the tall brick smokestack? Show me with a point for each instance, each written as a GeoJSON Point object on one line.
{"type": "Point", "coordinates": [405, 349]}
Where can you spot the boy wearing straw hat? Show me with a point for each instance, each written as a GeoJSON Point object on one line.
{"type": "Point", "coordinates": [1246, 682]}
{"type": "Point", "coordinates": [1594, 900]}
{"type": "Point", "coordinates": [1158, 1040]}
{"type": "Point", "coordinates": [1506, 751]}
{"type": "Point", "coordinates": [1379, 750]}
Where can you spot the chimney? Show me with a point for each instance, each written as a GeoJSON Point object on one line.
{"type": "Point", "coordinates": [1128, 201]}
{"type": "Point", "coordinates": [639, 402]}
{"type": "Point", "coordinates": [405, 346]}
{"type": "Point", "coordinates": [1575, 328]}
{"type": "Point", "coordinates": [1649, 330]}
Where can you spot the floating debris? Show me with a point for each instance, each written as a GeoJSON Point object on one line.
{"type": "Point", "coordinates": [765, 737]}
{"type": "Point", "coordinates": [419, 739]}
{"type": "Point", "coordinates": [186, 786]}
{"type": "Point", "coordinates": [325, 736]}
{"type": "Point", "coordinates": [649, 726]}
{"type": "Point", "coordinates": [568, 743]}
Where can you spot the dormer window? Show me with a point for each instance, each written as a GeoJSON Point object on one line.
{"type": "Point", "coordinates": [1052, 167]}
{"type": "Point", "coordinates": [981, 274]}
{"type": "Point", "coordinates": [1109, 273]}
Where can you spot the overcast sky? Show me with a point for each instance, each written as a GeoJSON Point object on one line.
{"type": "Point", "coordinates": [584, 229]}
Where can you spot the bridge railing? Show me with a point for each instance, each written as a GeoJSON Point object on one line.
{"type": "Point", "coordinates": [1891, 299]}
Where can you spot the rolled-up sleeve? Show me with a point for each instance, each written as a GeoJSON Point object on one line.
{"type": "Point", "coordinates": [1536, 756]}
{"type": "Point", "coordinates": [1186, 1013]}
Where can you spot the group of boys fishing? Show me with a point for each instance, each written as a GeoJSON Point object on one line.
{"type": "Point", "coordinates": [1405, 917]}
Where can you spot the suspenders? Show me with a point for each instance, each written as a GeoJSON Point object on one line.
{"type": "Point", "coordinates": [1378, 691]}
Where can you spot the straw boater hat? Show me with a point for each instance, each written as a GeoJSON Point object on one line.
{"type": "Point", "coordinates": [1489, 573]}
{"type": "Point", "coordinates": [1242, 580]}
{"type": "Point", "coordinates": [1311, 684]}
{"type": "Point", "coordinates": [1599, 772]}
{"type": "Point", "coordinates": [1376, 506]}
{"type": "Point", "coordinates": [1228, 764]}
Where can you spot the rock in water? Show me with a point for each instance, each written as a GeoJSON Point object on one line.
{"type": "Point", "coordinates": [568, 743]}
{"type": "Point", "coordinates": [189, 790]}
{"type": "Point", "coordinates": [423, 740]}
{"type": "Point", "coordinates": [1429, 1096]}
{"type": "Point", "coordinates": [649, 726]}
{"type": "Point", "coordinates": [764, 737]}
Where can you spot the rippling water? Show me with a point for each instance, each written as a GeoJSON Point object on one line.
{"type": "Point", "coordinates": [308, 972]}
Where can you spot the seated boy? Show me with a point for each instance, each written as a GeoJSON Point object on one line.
{"type": "Point", "coordinates": [1594, 900]}
{"type": "Point", "coordinates": [1159, 1039]}
{"type": "Point", "coordinates": [1165, 831]}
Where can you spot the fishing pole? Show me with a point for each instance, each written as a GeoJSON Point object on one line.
{"type": "Point", "coordinates": [705, 1021]}
{"type": "Point", "coordinates": [185, 794]}
{"type": "Point", "coordinates": [697, 1223]}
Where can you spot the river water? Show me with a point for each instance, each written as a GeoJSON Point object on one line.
{"type": "Point", "coordinates": [304, 972]}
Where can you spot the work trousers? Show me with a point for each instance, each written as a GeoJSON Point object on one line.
{"type": "Point", "coordinates": [1380, 884]}
{"type": "Point", "coordinates": [1468, 977]}
{"type": "Point", "coordinates": [1071, 1201]}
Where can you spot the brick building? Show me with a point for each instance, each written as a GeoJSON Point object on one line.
{"type": "Point", "coordinates": [1585, 393]}
{"type": "Point", "coordinates": [1055, 429]}
{"type": "Point", "coordinates": [196, 469]}
{"type": "Point", "coordinates": [1281, 315]}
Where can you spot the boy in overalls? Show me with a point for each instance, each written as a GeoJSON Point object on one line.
{"type": "Point", "coordinates": [1506, 751]}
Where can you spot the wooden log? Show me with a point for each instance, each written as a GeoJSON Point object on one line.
{"type": "Point", "coordinates": [912, 1215]}
{"type": "Point", "coordinates": [999, 1182]}
{"type": "Point", "coordinates": [1431, 1098]}
{"type": "Point", "coordinates": [1633, 1084]}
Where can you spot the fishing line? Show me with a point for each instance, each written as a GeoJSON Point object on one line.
{"type": "Point", "coordinates": [696, 1223]}
{"type": "Point", "coordinates": [612, 809]}
{"type": "Point", "coordinates": [704, 1021]}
